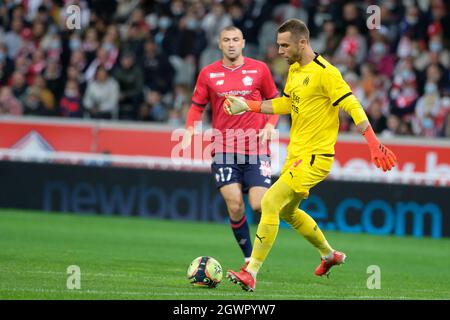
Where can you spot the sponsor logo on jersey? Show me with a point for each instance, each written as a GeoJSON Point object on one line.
{"type": "Point", "coordinates": [265, 169]}
{"type": "Point", "coordinates": [219, 82]}
{"type": "Point", "coordinates": [213, 75]}
{"type": "Point", "coordinates": [249, 71]}
{"type": "Point", "coordinates": [248, 81]}
{"type": "Point", "coordinates": [241, 93]}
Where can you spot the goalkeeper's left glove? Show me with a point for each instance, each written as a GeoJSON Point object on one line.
{"type": "Point", "coordinates": [238, 105]}
{"type": "Point", "coordinates": [381, 156]}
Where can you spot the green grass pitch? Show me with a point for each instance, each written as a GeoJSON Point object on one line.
{"type": "Point", "coordinates": [136, 258]}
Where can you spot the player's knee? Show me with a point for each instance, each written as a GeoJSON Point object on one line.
{"type": "Point", "coordinates": [266, 203]}
{"type": "Point", "coordinates": [236, 210]}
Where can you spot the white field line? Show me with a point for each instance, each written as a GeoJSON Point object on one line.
{"type": "Point", "coordinates": [199, 293]}
{"type": "Point", "coordinates": [118, 275]}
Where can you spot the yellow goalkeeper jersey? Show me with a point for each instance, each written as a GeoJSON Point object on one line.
{"type": "Point", "coordinates": [312, 95]}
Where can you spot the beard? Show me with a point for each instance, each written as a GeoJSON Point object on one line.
{"type": "Point", "coordinates": [296, 57]}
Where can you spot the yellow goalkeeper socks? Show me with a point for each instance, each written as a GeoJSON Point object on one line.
{"type": "Point", "coordinates": [265, 237]}
{"type": "Point", "coordinates": [308, 228]}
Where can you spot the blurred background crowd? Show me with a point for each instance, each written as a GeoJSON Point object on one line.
{"type": "Point", "coordinates": [138, 59]}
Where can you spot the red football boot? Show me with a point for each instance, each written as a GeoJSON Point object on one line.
{"type": "Point", "coordinates": [326, 264]}
{"type": "Point", "coordinates": [243, 278]}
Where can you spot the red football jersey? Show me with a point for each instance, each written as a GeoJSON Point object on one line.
{"type": "Point", "coordinates": [252, 80]}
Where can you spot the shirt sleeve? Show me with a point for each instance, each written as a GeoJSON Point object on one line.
{"type": "Point", "coordinates": [200, 97]}
{"type": "Point", "coordinates": [268, 87]}
{"type": "Point", "coordinates": [340, 94]}
{"type": "Point", "coordinates": [283, 105]}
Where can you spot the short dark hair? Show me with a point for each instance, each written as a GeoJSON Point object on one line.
{"type": "Point", "coordinates": [231, 28]}
{"type": "Point", "coordinates": [296, 27]}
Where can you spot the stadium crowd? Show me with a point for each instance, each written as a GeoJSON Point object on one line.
{"type": "Point", "coordinates": [138, 59]}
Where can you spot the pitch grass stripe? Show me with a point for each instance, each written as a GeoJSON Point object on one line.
{"type": "Point", "coordinates": [172, 294]}
{"type": "Point", "coordinates": [125, 250]}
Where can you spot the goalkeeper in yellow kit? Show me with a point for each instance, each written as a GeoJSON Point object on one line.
{"type": "Point", "coordinates": [314, 92]}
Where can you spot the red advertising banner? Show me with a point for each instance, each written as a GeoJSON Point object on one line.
{"type": "Point", "coordinates": [419, 160]}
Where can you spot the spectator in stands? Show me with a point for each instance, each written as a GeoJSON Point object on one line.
{"type": "Point", "coordinates": [436, 54]}
{"type": "Point", "coordinates": [37, 65]}
{"type": "Point", "coordinates": [158, 72]}
{"type": "Point", "coordinates": [181, 96]}
{"type": "Point", "coordinates": [130, 78]}
{"type": "Point", "coordinates": [164, 35]}
{"type": "Point", "coordinates": [53, 75]}
{"type": "Point", "coordinates": [404, 94]}
{"type": "Point", "coordinates": [52, 45]}
{"type": "Point", "coordinates": [47, 97]}
{"type": "Point", "coordinates": [13, 38]}
{"type": "Point", "coordinates": [19, 86]}
{"type": "Point", "coordinates": [32, 104]}
{"type": "Point", "coordinates": [101, 98]}
{"type": "Point", "coordinates": [444, 112]}
{"type": "Point", "coordinates": [73, 73]}
{"type": "Point", "coordinates": [22, 64]}
{"type": "Point", "coordinates": [353, 46]}
{"type": "Point", "coordinates": [153, 109]}
{"type": "Point", "coordinates": [376, 116]}
{"type": "Point", "coordinates": [190, 39]}
{"type": "Point", "coordinates": [413, 22]}
{"type": "Point", "coordinates": [70, 103]}
{"type": "Point", "coordinates": [9, 104]}
{"type": "Point", "coordinates": [90, 43]}
{"type": "Point", "coordinates": [134, 41]}
{"type": "Point", "coordinates": [6, 65]}
{"type": "Point", "coordinates": [328, 40]}
{"type": "Point", "coordinates": [214, 22]}
{"type": "Point", "coordinates": [380, 52]}
{"type": "Point", "coordinates": [434, 74]}
{"type": "Point", "coordinates": [101, 59]}
{"type": "Point", "coordinates": [78, 58]}
{"type": "Point", "coordinates": [405, 128]}
{"type": "Point", "coordinates": [427, 109]}
{"type": "Point", "coordinates": [393, 126]}
{"type": "Point", "coordinates": [352, 15]}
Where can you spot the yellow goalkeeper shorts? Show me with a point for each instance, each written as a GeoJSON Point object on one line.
{"type": "Point", "coordinates": [303, 173]}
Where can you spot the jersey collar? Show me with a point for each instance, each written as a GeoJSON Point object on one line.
{"type": "Point", "coordinates": [235, 68]}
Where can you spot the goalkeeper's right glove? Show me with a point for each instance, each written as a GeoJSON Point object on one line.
{"type": "Point", "coordinates": [381, 155]}
{"type": "Point", "coordinates": [238, 105]}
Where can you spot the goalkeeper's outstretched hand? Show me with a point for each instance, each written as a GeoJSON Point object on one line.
{"type": "Point", "coordinates": [381, 156]}
{"type": "Point", "coordinates": [238, 105]}
{"type": "Point", "coordinates": [235, 105]}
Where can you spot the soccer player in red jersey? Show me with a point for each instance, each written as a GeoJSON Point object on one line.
{"type": "Point", "coordinates": [241, 159]}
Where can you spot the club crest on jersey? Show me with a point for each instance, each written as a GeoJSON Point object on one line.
{"type": "Point", "coordinates": [213, 75]}
{"type": "Point", "coordinates": [248, 81]}
{"type": "Point", "coordinates": [306, 81]}
{"type": "Point", "coordinates": [249, 71]}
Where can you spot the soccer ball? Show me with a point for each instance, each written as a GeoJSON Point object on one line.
{"type": "Point", "coordinates": [205, 272]}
